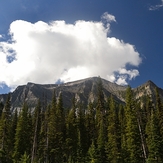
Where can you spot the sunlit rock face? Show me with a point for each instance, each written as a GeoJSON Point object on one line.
{"type": "Point", "coordinates": [148, 88]}
{"type": "Point", "coordinates": [84, 91]}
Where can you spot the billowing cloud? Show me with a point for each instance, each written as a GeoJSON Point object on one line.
{"type": "Point", "coordinates": [45, 52]}
{"type": "Point", "coordinates": [156, 7]}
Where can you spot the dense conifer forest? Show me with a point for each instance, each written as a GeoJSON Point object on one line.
{"type": "Point", "coordinates": [102, 132]}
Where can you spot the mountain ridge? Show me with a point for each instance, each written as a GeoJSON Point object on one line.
{"type": "Point", "coordinates": [84, 90]}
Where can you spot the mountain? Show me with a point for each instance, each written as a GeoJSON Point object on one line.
{"type": "Point", "coordinates": [84, 91]}
{"type": "Point", "coordinates": [147, 88]}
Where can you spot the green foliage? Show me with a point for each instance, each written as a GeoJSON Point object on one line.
{"type": "Point", "coordinates": [102, 132]}
{"type": "Point", "coordinates": [6, 131]}
{"type": "Point", "coordinates": [1, 108]}
{"type": "Point", "coordinates": [92, 154]}
{"type": "Point", "coordinates": [154, 132]}
{"type": "Point", "coordinates": [25, 158]}
{"type": "Point", "coordinates": [101, 124]}
{"type": "Point", "coordinates": [133, 139]}
{"type": "Point", "coordinates": [71, 133]}
{"type": "Point", "coordinates": [114, 142]}
{"type": "Point", "coordinates": [23, 134]}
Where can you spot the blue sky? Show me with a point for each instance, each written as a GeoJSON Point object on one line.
{"type": "Point", "coordinates": [44, 41]}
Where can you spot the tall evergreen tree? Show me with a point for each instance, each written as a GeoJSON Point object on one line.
{"type": "Point", "coordinates": [101, 124]}
{"type": "Point", "coordinates": [23, 134]}
{"type": "Point", "coordinates": [154, 139]}
{"type": "Point", "coordinates": [60, 131]}
{"type": "Point", "coordinates": [1, 108]}
{"type": "Point", "coordinates": [43, 148]}
{"type": "Point", "coordinates": [52, 123]}
{"type": "Point", "coordinates": [114, 142]}
{"type": "Point", "coordinates": [92, 153]}
{"type": "Point", "coordinates": [159, 109]}
{"type": "Point", "coordinates": [71, 134]}
{"type": "Point", "coordinates": [141, 119]}
{"type": "Point", "coordinates": [90, 124]}
{"type": "Point", "coordinates": [36, 131]}
{"type": "Point", "coordinates": [122, 134]}
{"type": "Point", "coordinates": [13, 129]}
{"type": "Point", "coordinates": [133, 138]}
{"type": "Point", "coordinates": [5, 132]}
{"type": "Point", "coordinates": [82, 135]}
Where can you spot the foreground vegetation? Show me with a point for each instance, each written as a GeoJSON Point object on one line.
{"type": "Point", "coordinates": [102, 132]}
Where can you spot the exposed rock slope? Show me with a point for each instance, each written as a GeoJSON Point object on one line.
{"type": "Point", "coordinates": [84, 91]}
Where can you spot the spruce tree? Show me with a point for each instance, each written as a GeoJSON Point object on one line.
{"type": "Point", "coordinates": [71, 134]}
{"type": "Point", "coordinates": [60, 131]}
{"type": "Point", "coordinates": [13, 129]}
{"type": "Point", "coordinates": [43, 148]}
{"type": "Point", "coordinates": [154, 141]}
{"type": "Point", "coordinates": [113, 145]}
{"type": "Point", "coordinates": [52, 123]}
{"type": "Point", "coordinates": [92, 153]}
{"type": "Point", "coordinates": [25, 158]}
{"type": "Point", "coordinates": [81, 134]}
{"type": "Point", "coordinates": [122, 122]}
{"type": "Point", "coordinates": [153, 130]}
{"type": "Point", "coordinates": [36, 131]}
{"type": "Point", "coordinates": [23, 134]}
{"type": "Point", "coordinates": [5, 132]}
{"type": "Point", "coordinates": [101, 124]}
{"type": "Point", "coordinates": [1, 108]}
{"type": "Point", "coordinates": [90, 124]}
{"type": "Point", "coordinates": [159, 109]}
{"type": "Point", "coordinates": [133, 138]}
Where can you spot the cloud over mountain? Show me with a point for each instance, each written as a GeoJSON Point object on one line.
{"type": "Point", "coordinates": [45, 52]}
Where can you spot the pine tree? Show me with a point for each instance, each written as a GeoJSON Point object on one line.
{"type": "Point", "coordinates": [133, 138]}
{"type": "Point", "coordinates": [25, 158]}
{"type": "Point", "coordinates": [1, 108]}
{"type": "Point", "coordinates": [23, 134]}
{"type": "Point", "coordinates": [154, 139]}
{"type": "Point", "coordinates": [43, 152]}
{"type": "Point", "coordinates": [159, 109]}
{"type": "Point", "coordinates": [101, 124]}
{"type": "Point", "coordinates": [43, 148]}
{"type": "Point", "coordinates": [13, 129]}
{"type": "Point", "coordinates": [113, 146]}
{"type": "Point", "coordinates": [5, 132]}
{"type": "Point", "coordinates": [36, 130]}
{"type": "Point", "coordinates": [90, 124]}
{"type": "Point", "coordinates": [153, 131]}
{"type": "Point", "coordinates": [82, 136]}
{"type": "Point", "coordinates": [92, 153]}
{"type": "Point", "coordinates": [52, 123]}
{"type": "Point", "coordinates": [71, 134]}
{"type": "Point", "coordinates": [60, 131]}
{"type": "Point", "coordinates": [122, 122]}
{"type": "Point", "coordinates": [141, 125]}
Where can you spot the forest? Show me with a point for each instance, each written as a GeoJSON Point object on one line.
{"type": "Point", "coordinates": [102, 132]}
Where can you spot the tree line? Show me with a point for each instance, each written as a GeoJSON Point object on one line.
{"type": "Point", "coordinates": [102, 132]}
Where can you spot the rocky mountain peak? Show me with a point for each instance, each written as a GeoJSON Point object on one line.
{"type": "Point", "coordinates": [148, 88]}
{"type": "Point", "coordinates": [84, 91]}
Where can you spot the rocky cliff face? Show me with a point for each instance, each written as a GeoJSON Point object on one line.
{"type": "Point", "coordinates": [84, 91]}
{"type": "Point", "coordinates": [147, 88]}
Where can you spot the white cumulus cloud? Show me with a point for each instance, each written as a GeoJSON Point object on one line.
{"type": "Point", "coordinates": [45, 52]}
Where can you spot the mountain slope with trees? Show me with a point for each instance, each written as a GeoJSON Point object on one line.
{"type": "Point", "coordinates": [104, 131]}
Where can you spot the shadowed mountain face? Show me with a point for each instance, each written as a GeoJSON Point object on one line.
{"type": "Point", "coordinates": [84, 91]}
